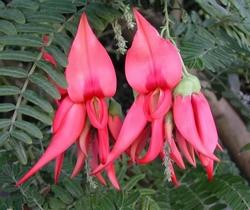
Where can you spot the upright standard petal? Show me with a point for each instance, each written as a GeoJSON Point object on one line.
{"type": "Point", "coordinates": [151, 61]}
{"type": "Point", "coordinates": [90, 71]}
{"type": "Point", "coordinates": [68, 133]}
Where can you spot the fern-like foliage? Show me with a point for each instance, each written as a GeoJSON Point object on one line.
{"type": "Point", "coordinates": [27, 80]}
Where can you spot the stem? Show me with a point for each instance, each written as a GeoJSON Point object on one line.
{"type": "Point", "coordinates": [168, 36]}
{"type": "Point", "coordinates": [166, 20]}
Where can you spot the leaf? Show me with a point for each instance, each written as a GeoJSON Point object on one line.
{"type": "Point", "coordinates": [43, 83]}
{"type": "Point", "coordinates": [63, 41]}
{"type": "Point", "coordinates": [32, 96]}
{"type": "Point", "coordinates": [21, 136]}
{"type": "Point", "coordinates": [3, 137]}
{"type": "Point", "coordinates": [15, 72]}
{"type": "Point", "coordinates": [45, 17]}
{"type": "Point", "coordinates": [59, 56]}
{"type": "Point", "coordinates": [32, 112]}
{"type": "Point", "coordinates": [7, 27]}
{"type": "Point", "coordinates": [56, 204]}
{"type": "Point", "coordinates": [62, 194]}
{"type": "Point", "coordinates": [73, 187]}
{"type": "Point", "coordinates": [6, 107]}
{"type": "Point", "coordinates": [26, 4]}
{"type": "Point", "coordinates": [147, 191]}
{"type": "Point", "coordinates": [8, 90]}
{"type": "Point", "coordinates": [12, 14]}
{"type": "Point", "coordinates": [20, 152]}
{"type": "Point", "coordinates": [18, 55]}
{"type": "Point", "coordinates": [54, 75]}
{"type": "Point", "coordinates": [4, 123]}
{"type": "Point", "coordinates": [21, 40]}
{"type": "Point", "coordinates": [35, 28]}
{"type": "Point", "coordinates": [58, 6]}
{"type": "Point", "coordinates": [132, 198]}
{"type": "Point", "coordinates": [30, 128]}
{"type": "Point", "coordinates": [133, 181]}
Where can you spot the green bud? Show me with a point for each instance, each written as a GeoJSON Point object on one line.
{"type": "Point", "coordinates": [188, 85]}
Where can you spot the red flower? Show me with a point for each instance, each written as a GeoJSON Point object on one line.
{"type": "Point", "coordinates": [195, 124]}
{"type": "Point", "coordinates": [153, 68]}
{"type": "Point", "coordinates": [90, 82]}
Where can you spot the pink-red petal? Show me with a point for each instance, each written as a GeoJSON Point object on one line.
{"type": "Point", "coordinates": [156, 142]}
{"type": "Point", "coordinates": [90, 71]}
{"type": "Point", "coordinates": [61, 112]}
{"type": "Point", "coordinates": [151, 61]}
{"type": "Point", "coordinates": [185, 122]}
{"type": "Point", "coordinates": [68, 133]}
{"type": "Point", "coordinates": [133, 125]}
{"type": "Point", "coordinates": [205, 122]}
{"type": "Point", "coordinates": [58, 167]}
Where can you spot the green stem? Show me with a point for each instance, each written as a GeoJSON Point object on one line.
{"type": "Point", "coordinates": [168, 36]}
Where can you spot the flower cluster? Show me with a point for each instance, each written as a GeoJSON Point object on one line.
{"type": "Point", "coordinates": [170, 116]}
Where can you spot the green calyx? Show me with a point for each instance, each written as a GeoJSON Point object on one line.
{"type": "Point", "coordinates": [115, 108]}
{"type": "Point", "coordinates": [188, 85]}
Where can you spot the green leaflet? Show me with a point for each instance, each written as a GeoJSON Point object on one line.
{"type": "Point", "coordinates": [18, 55]}
{"type": "Point", "coordinates": [33, 97]}
{"type": "Point", "coordinates": [35, 28]}
{"type": "Point", "coordinates": [30, 128]}
{"type": "Point", "coordinates": [7, 107]}
{"type": "Point", "coordinates": [58, 6]}
{"type": "Point", "coordinates": [64, 41]}
{"type": "Point", "coordinates": [32, 112]}
{"type": "Point", "coordinates": [54, 75]}
{"type": "Point", "coordinates": [21, 40]}
{"type": "Point", "coordinates": [12, 14]}
{"type": "Point", "coordinates": [3, 137]}
{"type": "Point", "coordinates": [20, 152]}
{"type": "Point", "coordinates": [21, 136]}
{"type": "Point", "coordinates": [25, 4]}
{"type": "Point", "coordinates": [133, 181]}
{"type": "Point", "coordinates": [13, 71]}
{"type": "Point", "coordinates": [59, 56]}
{"type": "Point", "coordinates": [43, 83]}
{"type": "Point", "coordinates": [7, 27]}
{"type": "Point", "coordinates": [73, 187]}
{"type": "Point", "coordinates": [7, 90]}
{"type": "Point", "coordinates": [4, 123]}
{"type": "Point", "coordinates": [62, 194]}
{"type": "Point", "coordinates": [45, 17]}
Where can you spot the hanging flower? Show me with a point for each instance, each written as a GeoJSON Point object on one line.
{"type": "Point", "coordinates": [153, 68]}
{"type": "Point", "coordinates": [194, 122]}
{"type": "Point", "coordinates": [82, 116]}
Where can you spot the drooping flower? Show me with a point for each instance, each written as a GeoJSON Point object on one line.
{"type": "Point", "coordinates": [82, 116]}
{"type": "Point", "coordinates": [196, 130]}
{"type": "Point", "coordinates": [153, 67]}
